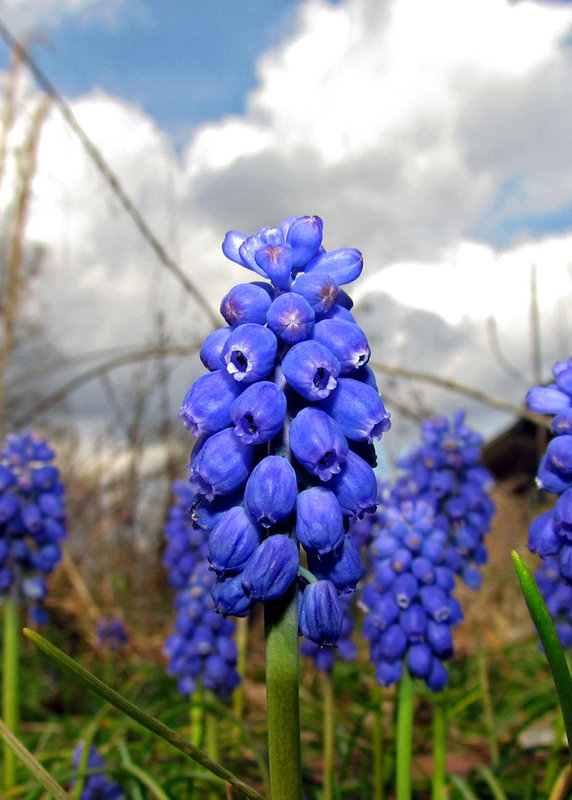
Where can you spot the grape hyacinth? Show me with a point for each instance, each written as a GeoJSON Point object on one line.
{"type": "Point", "coordinates": [447, 467]}
{"type": "Point", "coordinates": [285, 420]}
{"type": "Point", "coordinates": [95, 787]}
{"type": "Point", "coordinates": [550, 534]}
{"type": "Point", "coordinates": [409, 602]}
{"type": "Point", "coordinates": [32, 520]}
{"type": "Point", "coordinates": [111, 634]}
{"type": "Point", "coordinates": [202, 645]}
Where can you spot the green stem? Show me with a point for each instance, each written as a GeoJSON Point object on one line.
{"type": "Point", "coordinates": [282, 675]}
{"type": "Point", "coordinates": [439, 747]}
{"type": "Point", "coordinates": [196, 715]}
{"type": "Point", "coordinates": [487, 699]}
{"type": "Point", "coordinates": [404, 736]}
{"type": "Point", "coordinates": [213, 749]}
{"type": "Point", "coordinates": [10, 684]}
{"type": "Point", "coordinates": [328, 745]}
{"type": "Point", "coordinates": [241, 638]}
{"type": "Point", "coordinates": [378, 745]}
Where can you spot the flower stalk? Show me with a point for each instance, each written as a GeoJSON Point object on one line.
{"type": "Point", "coordinates": [282, 676]}
{"type": "Point", "coordinates": [328, 743]}
{"type": "Point", "coordinates": [439, 748]}
{"type": "Point", "coordinates": [404, 736]}
{"type": "Point", "coordinates": [10, 684]}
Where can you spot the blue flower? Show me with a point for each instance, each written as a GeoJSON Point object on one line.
{"type": "Point", "coordinates": [271, 490]}
{"type": "Point", "coordinates": [32, 520]}
{"type": "Point", "coordinates": [249, 352]}
{"type": "Point", "coordinates": [550, 534]}
{"type": "Point", "coordinates": [318, 443]}
{"type": "Point", "coordinates": [272, 471]}
{"type": "Point", "coordinates": [446, 468]}
{"type": "Point", "coordinates": [246, 302]}
{"type": "Point", "coordinates": [95, 787]}
{"type": "Point", "coordinates": [409, 602]}
{"type": "Point", "coordinates": [258, 413]}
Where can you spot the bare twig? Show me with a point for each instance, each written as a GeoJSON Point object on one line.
{"type": "Point", "coordinates": [10, 300]}
{"type": "Point", "coordinates": [475, 394]}
{"type": "Point", "coordinates": [133, 357]}
{"type": "Point", "coordinates": [509, 368]}
{"type": "Point", "coordinates": [109, 176]}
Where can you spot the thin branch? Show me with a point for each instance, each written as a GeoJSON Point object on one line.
{"type": "Point", "coordinates": [475, 394]}
{"type": "Point", "coordinates": [133, 357]}
{"type": "Point", "coordinates": [110, 177]}
{"type": "Point", "coordinates": [494, 342]}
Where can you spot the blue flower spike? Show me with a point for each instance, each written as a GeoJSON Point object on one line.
{"type": "Point", "coordinates": [274, 467]}
{"type": "Point", "coordinates": [32, 520]}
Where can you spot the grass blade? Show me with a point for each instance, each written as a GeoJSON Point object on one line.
{"type": "Point", "coordinates": [39, 773]}
{"type": "Point", "coordinates": [154, 725]}
{"type": "Point", "coordinates": [549, 638]}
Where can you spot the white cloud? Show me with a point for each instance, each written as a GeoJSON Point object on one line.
{"type": "Point", "coordinates": [24, 16]}
{"type": "Point", "coordinates": [412, 128]}
{"type": "Point", "coordinates": [475, 281]}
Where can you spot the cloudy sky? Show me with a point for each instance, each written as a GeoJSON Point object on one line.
{"type": "Point", "coordinates": [434, 136]}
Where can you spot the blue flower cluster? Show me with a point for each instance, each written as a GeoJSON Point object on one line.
{"type": "Point", "coordinates": [409, 601]}
{"type": "Point", "coordinates": [111, 634]}
{"type": "Point", "coordinates": [95, 787]}
{"type": "Point", "coordinates": [550, 534]}
{"type": "Point", "coordinates": [447, 468]}
{"type": "Point", "coordinates": [32, 520]}
{"type": "Point", "coordinates": [285, 419]}
{"type": "Point", "coordinates": [202, 645]}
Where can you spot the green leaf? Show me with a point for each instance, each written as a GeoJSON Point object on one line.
{"type": "Point", "coordinates": [154, 725]}
{"type": "Point", "coordinates": [549, 638]}
{"type": "Point", "coordinates": [43, 777]}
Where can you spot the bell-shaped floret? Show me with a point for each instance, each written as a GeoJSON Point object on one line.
{"type": "Point", "coordinates": [343, 265]}
{"type": "Point", "coordinates": [304, 235]}
{"type": "Point", "coordinates": [440, 638]}
{"type": "Point", "coordinates": [277, 262]}
{"type": "Point", "coordinates": [220, 464]}
{"type": "Point", "coordinates": [436, 603]}
{"type": "Point", "coordinates": [246, 302]}
{"type": "Point", "coordinates": [346, 340]}
{"type": "Point", "coordinates": [319, 290]}
{"type": "Point", "coordinates": [355, 487]}
{"type": "Point", "coordinates": [258, 413]}
{"type": "Point", "coordinates": [318, 443]}
{"type": "Point", "coordinates": [358, 409]}
{"type": "Point", "coordinates": [319, 520]}
{"type": "Point", "coordinates": [419, 659]}
{"type": "Point", "coordinates": [212, 347]}
{"type": "Point", "coordinates": [320, 616]}
{"type": "Point", "coordinates": [548, 399]}
{"type": "Point", "coordinates": [233, 540]}
{"type": "Point", "coordinates": [342, 567]}
{"type": "Point", "coordinates": [271, 491]}
{"type": "Point", "coordinates": [392, 643]}
{"type": "Point", "coordinates": [414, 622]}
{"type": "Point", "coordinates": [249, 352]}
{"type": "Point", "coordinates": [291, 317]}
{"type": "Point", "coordinates": [388, 672]}
{"type": "Point", "coordinates": [229, 597]}
{"type": "Point", "coordinates": [311, 369]}
{"type": "Point", "coordinates": [272, 568]}
{"type": "Point", "coordinates": [207, 404]}
{"type": "Point", "coordinates": [404, 589]}
{"type": "Point", "coordinates": [555, 471]}
{"type": "Point", "coordinates": [438, 677]}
